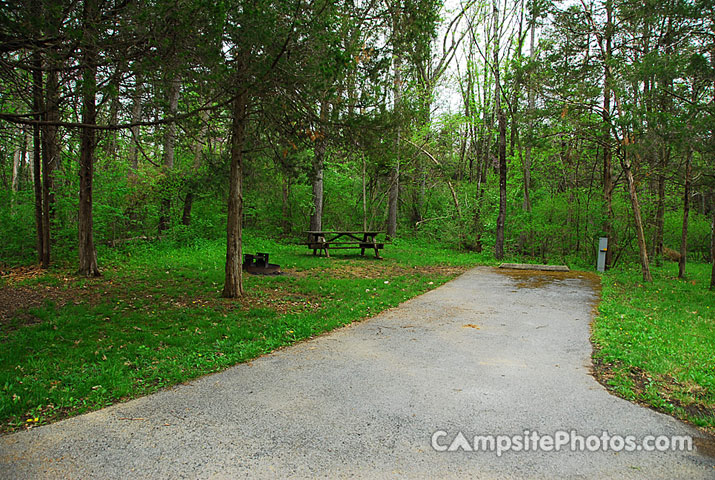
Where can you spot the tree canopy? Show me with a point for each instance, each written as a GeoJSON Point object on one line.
{"type": "Point", "coordinates": [529, 128]}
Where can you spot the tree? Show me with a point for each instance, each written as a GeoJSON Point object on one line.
{"type": "Point", "coordinates": [169, 148]}
{"type": "Point", "coordinates": [316, 218]}
{"type": "Point", "coordinates": [686, 213]}
{"type": "Point", "coordinates": [37, 155]}
{"type": "Point", "coordinates": [397, 17]}
{"type": "Point", "coordinates": [52, 19]}
{"type": "Point", "coordinates": [626, 150]}
{"type": "Point", "coordinates": [712, 249]}
{"type": "Point", "coordinates": [530, 108]}
{"type": "Point", "coordinates": [259, 35]}
{"type": "Point", "coordinates": [607, 154]}
{"type": "Point", "coordinates": [233, 283]}
{"type": "Point", "coordinates": [501, 120]}
{"type": "Point", "coordinates": [87, 251]}
{"type": "Point", "coordinates": [200, 95]}
{"type": "Point", "coordinates": [135, 119]}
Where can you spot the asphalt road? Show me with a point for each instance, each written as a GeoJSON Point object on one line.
{"type": "Point", "coordinates": [481, 355]}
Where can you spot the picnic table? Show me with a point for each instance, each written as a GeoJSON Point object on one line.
{"type": "Point", "coordinates": [326, 240]}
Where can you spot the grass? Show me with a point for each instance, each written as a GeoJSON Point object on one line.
{"type": "Point", "coordinates": [155, 318]}
{"type": "Point", "coordinates": [655, 343]}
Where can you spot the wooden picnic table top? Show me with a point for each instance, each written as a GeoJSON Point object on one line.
{"type": "Point", "coordinates": [325, 240]}
{"type": "Point", "coordinates": [345, 232]}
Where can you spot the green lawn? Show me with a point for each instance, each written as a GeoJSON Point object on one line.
{"type": "Point", "coordinates": [655, 343]}
{"type": "Point", "coordinates": [156, 318]}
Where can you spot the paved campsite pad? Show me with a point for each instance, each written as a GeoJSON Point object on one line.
{"type": "Point", "coordinates": [488, 353]}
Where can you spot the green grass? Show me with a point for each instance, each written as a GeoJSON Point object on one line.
{"type": "Point", "coordinates": [156, 319]}
{"type": "Point", "coordinates": [655, 343]}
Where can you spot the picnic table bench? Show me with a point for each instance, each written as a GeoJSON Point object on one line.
{"type": "Point", "coordinates": [326, 240]}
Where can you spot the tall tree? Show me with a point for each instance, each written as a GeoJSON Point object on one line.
{"type": "Point", "coordinates": [501, 120]}
{"type": "Point", "coordinates": [135, 118]}
{"type": "Point", "coordinates": [712, 244]}
{"type": "Point", "coordinates": [50, 157]}
{"type": "Point", "coordinates": [627, 150]}
{"type": "Point", "coordinates": [531, 106]}
{"type": "Point", "coordinates": [87, 251]}
{"type": "Point", "coordinates": [52, 19]}
{"type": "Point", "coordinates": [686, 213]}
{"type": "Point", "coordinates": [627, 166]}
{"type": "Point", "coordinates": [233, 283]}
{"type": "Point", "coordinates": [169, 149]}
{"type": "Point", "coordinates": [318, 166]}
{"type": "Point", "coordinates": [606, 143]}
{"type": "Point", "coordinates": [259, 35]}
{"type": "Point", "coordinates": [16, 162]}
{"type": "Point", "coordinates": [37, 154]}
{"type": "Point", "coordinates": [397, 16]}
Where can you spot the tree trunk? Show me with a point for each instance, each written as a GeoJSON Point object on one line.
{"type": "Point", "coordinates": [419, 171]}
{"type": "Point", "coordinates": [661, 84]}
{"type": "Point", "coordinates": [501, 120]}
{"type": "Point", "coordinates": [169, 143]}
{"type": "Point", "coordinates": [364, 193]}
{"type": "Point", "coordinates": [136, 117]}
{"type": "Point", "coordinates": [316, 218]}
{"type": "Point", "coordinates": [607, 200]}
{"type": "Point", "coordinates": [26, 156]}
{"type": "Point", "coordinates": [50, 137]}
{"type": "Point", "coordinates": [423, 192]}
{"type": "Point", "coordinates": [483, 154]}
{"type": "Point", "coordinates": [712, 245]}
{"type": "Point", "coordinates": [501, 218]}
{"type": "Point", "coordinates": [517, 83]}
{"type": "Point", "coordinates": [394, 192]}
{"type": "Point", "coordinates": [114, 104]}
{"type": "Point", "coordinates": [16, 157]}
{"type": "Point", "coordinates": [393, 198]}
{"type": "Point", "coordinates": [286, 225]}
{"type": "Point", "coordinates": [481, 181]}
{"type": "Point", "coordinates": [712, 200]}
{"type": "Point", "coordinates": [50, 160]}
{"type": "Point", "coordinates": [170, 136]}
{"type": "Point", "coordinates": [531, 104]}
{"type": "Point", "coordinates": [530, 107]}
{"type": "Point", "coordinates": [36, 155]}
{"type": "Point", "coordinates": [527, 177]}
{"type": "Point", "coordinates": [5, 182]}
{"type": "Point", "coordinates": [638, 221]}
{"type": "Point", "coordinates": [686, 212]}
{"type": "Point", "coordinates": [607, 155]}
{"type": "Point", "coordinates": [87, 251]}
{"type": "Point", "coordinates": [188, 204]}
{"type": "Point", "coordinates": [233, 284]}
{"type": "Point", "coordinates": [418, 191]}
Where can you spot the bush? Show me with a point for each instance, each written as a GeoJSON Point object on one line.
{"type": "Point", "coordinates": [18, 228]}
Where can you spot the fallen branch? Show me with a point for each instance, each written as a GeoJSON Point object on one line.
{"type": "Point", "coordinates": [449, 184]}
{"type": "Point", "coordinates": [433, 218]}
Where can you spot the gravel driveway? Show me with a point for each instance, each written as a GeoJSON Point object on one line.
{"type": "Point", "coordinates": [486, 354]}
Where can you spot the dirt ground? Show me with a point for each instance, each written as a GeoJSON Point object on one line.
{"type": "Point", "coordinates": [19, 292]}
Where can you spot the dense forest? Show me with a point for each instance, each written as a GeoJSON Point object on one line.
{"type": "Point", "coordinates": [525, 128]}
